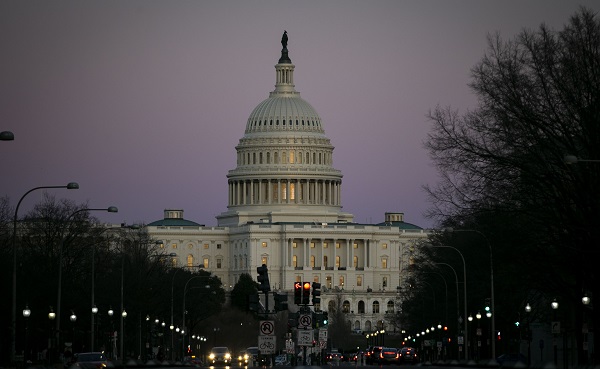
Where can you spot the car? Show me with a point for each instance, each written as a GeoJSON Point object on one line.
{"type": "Point", "coordinates": [255, 356]}
{"type": "Point", "coordinates": [408, 355]}
{"type": "Point", "coordinates": [372, 354]}
{"type": "Point", "coordinates": [244, 358]}
{"type": "Point", "coordinates": [219, 355]}
{"type": "Point", "coordinates": [509, 360]}
{"type": "Point", "coordinates": [389, 355]}
{"type": "Point", "coordinates": [89, 360]}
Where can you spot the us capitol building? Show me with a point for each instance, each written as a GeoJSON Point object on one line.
{"type": "Point", "coordinates": [285, 211]}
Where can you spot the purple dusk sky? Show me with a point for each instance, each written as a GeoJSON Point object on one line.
{"type": "Point", "coordinates": [143, 102]}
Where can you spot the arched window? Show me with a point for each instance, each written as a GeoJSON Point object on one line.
{"type": "Point", "coordinates": [361, 307]}
{"type": "Point", "coordinates": [390, 307]}
{"type": "Point", "coordinates": [190, 261]}
{"type": "Point", "coordinates": [376, 307]}
{"type": "Point", "coordinates": [276, 158]}
{"type": "Point", "coordinates": [346, 307]}
{"type": "Point", "coordinates": [357, 325]}
{"type": "Point", "coordinates": [268, 158]}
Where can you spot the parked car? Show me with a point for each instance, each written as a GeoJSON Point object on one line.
{"type": "Point", "coordinates": [408, 355]}
{"type": "Point", "coordinates": [389, 355]}
{"type": "Point", "coordinates": [89, 360]}
{"type": "Point", "coordinates": [219, 355]}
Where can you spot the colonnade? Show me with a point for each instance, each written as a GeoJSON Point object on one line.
{"type": "Point", "coordinates": [275, 191]}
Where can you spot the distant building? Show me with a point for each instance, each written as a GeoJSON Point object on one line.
{"type": "Point", "coordinates": [285, 211]}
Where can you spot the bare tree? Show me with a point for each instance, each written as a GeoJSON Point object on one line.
{"type": "Point", "coordinates": [539, 100]}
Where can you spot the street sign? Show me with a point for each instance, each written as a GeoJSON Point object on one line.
{"type": "Point", "coordinates": [322, 334]}
{"type": "Point", "coordinates": [267, 328]}
{"type": "Point", "coordinates": [305, 321]}
{"type": "Point", "coordinates": [305, 337]}
{"type": "Point", "coordinates": [266, 344]}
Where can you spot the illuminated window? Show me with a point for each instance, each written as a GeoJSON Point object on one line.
{"type": "Point", "coordinates": [206, 246]}
{"type": "Point", "coordinates": [205, 263]}
{"type": "Point", "coordinates": [294, 245]}
{"type": "Point", "coordinates": [264, 244]}
{"type": "Point", "coordinates": [316, 279]}
{"type": "Point", "coordinates": [359, 281]}
{"type": "Point", "coordinates": [298, 278]}
{"type": "Point", "coordinates": [355, 261]}
{"type": "Point", "coordinates": [337, 245]}
{"type": "Point", "coordinates": [291, 157]}
{"type": "Point", "coordinates": [341, 281]}
{"type": "Point", "coordinates": [190, 261]}
{"type": "Point", "coordinates": [264, 260]}
{"type": "Point", "coordinates": [355, 245]}
{"type": "Point", "coordinates": [312, 261]}
{"type": "Point", "coordinates": [337, 261]}
{"type": "Point", "coordinates": [384, 246]}
{"type": "Point", "coordinates": [325, 245]}
{"type": "Point", "coordinates": [312, 245]}
{"type": "Point", "coordinates": [174, 246]}
{"type": "Point", "coordinates": [384, 263]}
{"type": "Point", "coordinates": [162, 245]}
{"type": "Point", "coordinates": [292, 191]}
{"type": "Point", "coordinates": [294, 261]}
{"type": "Point", "coordinates": [328, 281]}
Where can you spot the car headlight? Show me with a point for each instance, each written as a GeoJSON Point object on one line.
{"type": "Point", "coordinates": [246, 356]}
{"type": "Point", "coordinates": [212, 356]}
{"type": "Point", "coordinates": [227, 356]}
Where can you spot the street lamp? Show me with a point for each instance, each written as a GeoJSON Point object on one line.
{"type": "Point", "coordinates": [26, 315]}
{"type": "Point", "coordinates": [110, 209]}
{"type": "Point", "coordinates": [572, 159]}
{"type": "Point", "coordinates": [465, 329]}
{"type": "Point", "coordinates": [7, 136]}
{"type": "Point", "coordinates": [13, 351]}
{"type": "Point", "coordinates": [492, 300]}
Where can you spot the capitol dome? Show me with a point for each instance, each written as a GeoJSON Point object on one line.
{"type": "Point", "coordinates": [284, 161]}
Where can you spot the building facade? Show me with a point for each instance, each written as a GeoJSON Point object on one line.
{"type": "Point", "coordinates": [285, 210]}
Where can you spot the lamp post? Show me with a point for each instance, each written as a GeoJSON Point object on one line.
{"type": "Point", "coordinates": [183, 313]}
{"type": "Point", "coordinates": [492, 299]}
{"type": "Point", "coordinates": [13, 351]}
{"type": "Point", "coordinates": [26, 315]}
{"type": "Point", "coordinates": [528, 334]}
{"type": "Point", "coordinates": [110, 209]}
{"type": "Point", "coordinates": [572, 159]}
{"type": "Point", "coordinates": [466, 333]}
{"type": "Point", "coordinates": [555, 330]}
{"type": "Point", "coordinates": [73, 319]}
{"type": "Point", "coordinates": [113, 344]}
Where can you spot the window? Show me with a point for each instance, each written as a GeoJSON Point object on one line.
{"type": "Point", "coordinates": [359, 281]}
{"type": "Point", "coordinates": [219, 246]}
{"type": "Point", "coordinates": [312, 261]}
{"type": "Point", "coordinates": [337, 261]}
{"type": "Point", "coordinates": [264, 244]}
{"type": "Point", "coordinates": [346, 307]}
{"type": "Point", "coordinates": [291, 157]}
{"type": "Point", "coordinates": [355, 245]}
{"type": "Point", "coordinates": [384, 282]}
{"type": "Point", "coordinates": [174, 261]}
{"type": "Point", "coordinates": [312, 245]}
{"type": "Point", "coordinates": [219, 263]}
{"type": "Point", "coordinates": [390, 307]}
{"type": "Point", "coordinates": [294, 261]}
{"type": "Point", "coordinates": [174, 246]}
{"type": "Point", "coordinates": [162, 245]}
{"type": "Point", "coordinates": [264, 260]}
{"type": "Point", "coordinates": [292, 191]}
{"type": "Point", "coordinates": [384, 246]}
{"type": "Point", "coordinates": [337, 245]}
{"type": "Point", "coordinates": [190, 246]}
{"type": "Point", "coordinates": [206, 246]}
{"type": "Point", "coordinates": [325, 261]}
{"type": "Point", "coordinates": [341, 282]}
{"type": "Point", "coordinates": [190, 261]}
{"type": "Point", "coordinates": [383, 263]}
{"type": "Point", "coordinates": [325, 245]}
{"type": "Point", "coordinates": [376, 307]}
{"type": "Point", "coordinates": [355, 261]}
{"type": "Point", "coordinates": [205, 263]}
{"type": "Point", "coordinates": [294, 245]}
{"type": "Point", "coordinates": [298, 278]}
{"type": "Point", "coordinates": [328, 281]}
{"type": "Point", "coordinates": [361, 307]}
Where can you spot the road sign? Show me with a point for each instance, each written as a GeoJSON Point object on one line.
{"type": "Point", "coordinates": [322, 344]}
{"type": "Point", "coordinates": [305, 337]}
{"type": "Point", "coordinates": [322, 334]}
{"type": "Point", "coordinates": [267, 328]}
{"type": "Point", "coordinates": [305, 321]}
{"type": "Point", "coordinates": [266, 344]}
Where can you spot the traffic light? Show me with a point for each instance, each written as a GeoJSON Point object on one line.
{"type": "Point", "coordinates": [263, 278]}
{"type": "Point", "coordinates": [298, 293]}
{"type": "Point", "coordinates": [253, 302]}
{"type": "Point", "coordinates": [281, 301]}
{"type": "Point", "coordinates": [316, 293]}
{"type": "Point", "coordinates": [306, 293]}
{"type": "Point", "coordinates": [325, 319]}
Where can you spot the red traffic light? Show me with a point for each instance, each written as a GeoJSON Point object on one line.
{"type": "Point", "coordinates": [306, 286]}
